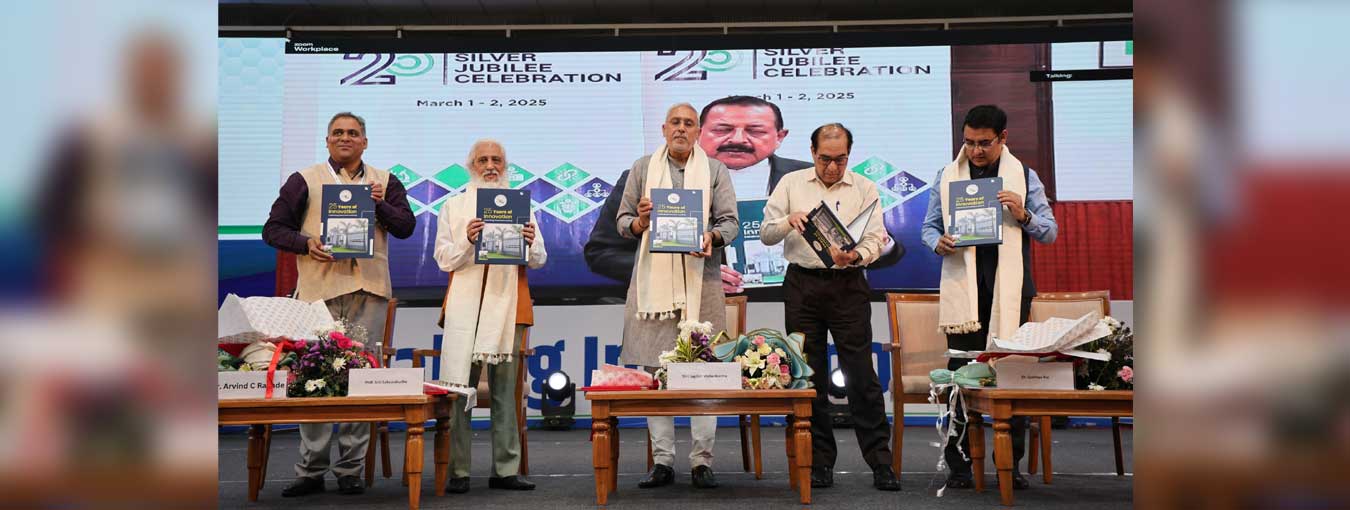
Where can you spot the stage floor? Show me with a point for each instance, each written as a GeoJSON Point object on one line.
{"type": "Point", "coordinates": [560, 464]}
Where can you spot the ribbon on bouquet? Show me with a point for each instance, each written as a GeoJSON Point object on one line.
{"type": "Point", "coordinates": [272, 369]}
{"type": "Point", "coordinates": [952, 419]}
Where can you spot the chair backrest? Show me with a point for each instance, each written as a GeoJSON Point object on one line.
{"type": "Point", "coordinates": [387, 356]}
{"type": "Point", "coordinates": [914, 333]}
{"type": "Point", "coordinates": [1069, 305]}
{"type": "Point", "coordinates": [389, 322]}
{"type": "Point", "coordinates": [287, 274]}
{"type": "Point", "coordinates": [736, 315]}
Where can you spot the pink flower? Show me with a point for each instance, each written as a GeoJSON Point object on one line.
{"type": "Point", "coordinates": [1126, 374]}
{"type": "Point", "coordinates": [342, 341]}
{"type": "Point", "coordinates": [783, 369]}
{"type": "Point", "coordinates": [774, 359]}
{"type": "Point", "coordinates": [759, 340]}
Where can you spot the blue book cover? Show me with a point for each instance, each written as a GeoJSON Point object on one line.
{"type": "Point", "coordinates": [505, 213]}
{"type": "Point", "coordinates": [759, 265]}
{"type": "Point", "coordinates": [677, 220]}
{"type": "Point", "coordinates": [974, 216]}
{"type": "Point", "coordinates": [348, 221]}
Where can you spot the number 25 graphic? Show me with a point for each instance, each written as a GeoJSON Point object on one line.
{"type": "Point", "coordinates": [683, 70]}
{"type": "Point", "coordinates": [377, 64]}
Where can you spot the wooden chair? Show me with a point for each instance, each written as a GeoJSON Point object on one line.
{"type": "Point", "coordinates": [485, 396]}
{"type": "Point", "coordinates": [379, 431]}
{"type": "Point", "coordinates": [748, 424]}
{"type": "Point", "coordinates": [917, 348]}
{"type": "Point", "coordinates": [1067, 305]}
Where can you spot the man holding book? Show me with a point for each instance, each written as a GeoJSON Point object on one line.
{"type": "Point", "coordinates": [356, 289]}
{"type": "Point", "coordinates": [834, 298]}
{"type": "Point", "coordinates": [986, 289]}
{"type": "Point", "coordinates": [670, 289]}
{"type": "Point", "coordinates": [486, 310]}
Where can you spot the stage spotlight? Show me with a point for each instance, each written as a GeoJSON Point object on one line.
{"type": "Point", "coordinates": [839, 413]}
{"type": "Point", "coordinates": [559, 403]}
{"type": "Point", "coordinates": [837, 388]}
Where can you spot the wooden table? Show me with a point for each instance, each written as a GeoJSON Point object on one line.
{"type": "Point", "coordinates": [607, 406]}
{"type": "Point", "coordinates": [1002, 405]}
{"type": "Point", "coordinates": [414, 410]}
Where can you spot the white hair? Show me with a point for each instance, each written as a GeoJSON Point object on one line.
{"type": "Point", "coordinates": [473, 154]}
{"type": "Point", "coordinates": [682, 105]}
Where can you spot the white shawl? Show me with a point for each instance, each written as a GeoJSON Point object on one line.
{"type": "Point", "coordinates": [480, 303]}
{"type": "Point", "coordinates": [670, 285]}
{"type": "Point", "coordinates": [958, 310]}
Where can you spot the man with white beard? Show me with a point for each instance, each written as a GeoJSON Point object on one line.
{"type": "Point", "coordinates": [489, 308]}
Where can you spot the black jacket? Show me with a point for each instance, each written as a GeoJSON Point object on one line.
{"type": "Point", "coordinates": [611, 255]}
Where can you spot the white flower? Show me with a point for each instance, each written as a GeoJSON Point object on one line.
{"type": "Point", "coordinates": [668, 357]}
{"type": "Point", "coordinates": [1096, 387]}
{"type": "Point", "coordinates": [687, 327]}
{"type": "Point", "coordinates": [339, 363]}
{"type": "Point", "coordinates": [314, 384]}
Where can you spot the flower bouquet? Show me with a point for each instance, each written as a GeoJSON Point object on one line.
{"type": "Point", "coordinates": [693, 345]}
{"type": "Point", "coordinates": [321, 367]}
{"type": "Point", "coordinates": [1117, 372]}
{"type": "Point", "coordinates": [768, 360]}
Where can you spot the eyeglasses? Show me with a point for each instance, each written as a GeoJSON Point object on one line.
{"type": "Point", "coordinates": [826, 160]}
{"type": "Point", "coordinates": [982, 144]}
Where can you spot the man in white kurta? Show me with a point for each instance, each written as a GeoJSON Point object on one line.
{"type": "Point", "coordinates": [487, 308]}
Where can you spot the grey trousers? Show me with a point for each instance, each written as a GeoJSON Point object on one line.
{"type": "Point", "coordinates": [505, 430]}
{"type": "Point", "coordinates": [702, 429]}
{"type": "Point", "coordinates": [316, 439]}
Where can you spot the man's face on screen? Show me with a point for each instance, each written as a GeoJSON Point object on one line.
{"type": "Point", "coordinates": [740, 136]}
{"type": "Point", "coordinates": [346, 140]}
{"type": "Point", "coordinates": [680, 129]}
{"type": "Point", "coordinates": [489, 164]}
{"type": "Point", "coordinates": [983, 146]}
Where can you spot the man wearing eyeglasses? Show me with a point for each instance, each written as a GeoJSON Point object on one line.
{"type": "Point", "coordinates": [357, 290]}
{"type": "Point", "coordinates": [833, 300]}
{"type": "Point", "coordinates": [999, 309]}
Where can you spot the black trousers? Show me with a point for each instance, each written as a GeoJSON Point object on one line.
{"type": "Point", "coordinates": [976, 342]}
{"type": "Point", "coordinates": [838, 302]}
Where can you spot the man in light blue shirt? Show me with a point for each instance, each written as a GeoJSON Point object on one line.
{"type": "Point", "coordinates": [985, 134]}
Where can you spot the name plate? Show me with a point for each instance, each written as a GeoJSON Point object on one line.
{"type": "Point", "coordinates": [384, 382]}
{"type": "Point", "coordinates": [1035, 376]}
{"type": "Point", "coordinates": [703, 376]}
{"type": "Point", "coordinates": [252, 384]}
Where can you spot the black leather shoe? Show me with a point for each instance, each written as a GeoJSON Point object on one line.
{"type": "Point", "coordinates": [822, 478]}
{"type": "Point", "coordinates": [510, 483]}
{"type": "Point", "coordinates": [1019, 482]}
{"type": "Point", "coordinates": [303, 486]}
{"type": "Point", "coordinates": [884, 479]}
{"type": "Point", "coordinates": [964, 481]}
{"type": "Point", "coordinates": [457, 485]}
{"type": "Point", "coordinates": [350, 485]}
{"type": "Point", "coordinates": [703, 477]}
{"type": "Point", "coordinates": [661, 475]}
